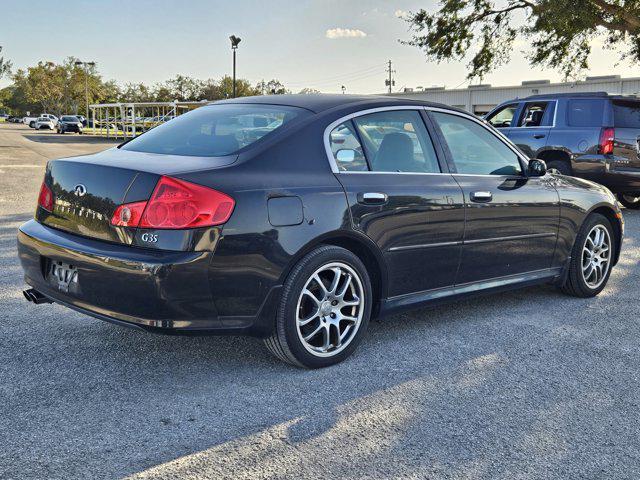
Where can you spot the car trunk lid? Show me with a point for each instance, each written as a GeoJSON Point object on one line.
{"type": "Point", "coordinates": [88, 190]}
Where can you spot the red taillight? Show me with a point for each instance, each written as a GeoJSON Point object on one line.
{"type": "Point", "coordinates": [176, 204]}
{"type": "Point", "coordinates": [45, 198]}
{"type": "Point", "coordinates": [607, 136]}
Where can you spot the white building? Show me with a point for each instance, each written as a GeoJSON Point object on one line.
{"type": "Point", "coordinates": [479, 99]}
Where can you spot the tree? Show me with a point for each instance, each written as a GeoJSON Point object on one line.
{"type": "Point", "coordinates": [309, 91]}
{"type": "Point", "coordinates": [223, 88]}
{"type": "Point", "coordinates": [560, 31]}
{"type": "Point", "coordinates": [184, 88]}
{"type": "Point", "coordinates": [5, 66]}
{"type": "Point", "coordinates": [136, 92]}
{"type": "Point", "coordinates": [58, 88]}
{"type": "Point", "coordinates": [272, 87]}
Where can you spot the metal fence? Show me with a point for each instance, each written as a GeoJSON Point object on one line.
{"type": "Point", "coordinates": [126, 120]}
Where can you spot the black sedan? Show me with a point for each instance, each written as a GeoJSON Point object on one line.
{"type": "Point", "coordinates": [69, 123]}
{"type": "Point", "coordinates": [299, 218]}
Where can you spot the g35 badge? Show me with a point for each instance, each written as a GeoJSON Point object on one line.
{"type": "Point", "coordinates": [150, 237]}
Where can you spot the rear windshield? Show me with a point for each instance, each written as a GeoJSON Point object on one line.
{"type": "Point", "coordinates": [214, 130]}
{"type": "Point", "coordinates": [626, 114]}
{"type": "Point", "coordinates": [585, 112]}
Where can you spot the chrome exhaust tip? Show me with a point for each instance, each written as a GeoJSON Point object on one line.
{"type": "Point", "coordinates": [34, 296]}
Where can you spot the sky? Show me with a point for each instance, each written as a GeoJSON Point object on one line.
{"type": "Point", "coordinates": [322, 44]}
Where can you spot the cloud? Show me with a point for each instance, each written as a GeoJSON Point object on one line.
{"type": "Point", "coordinates": [345, 33]}
{"type": "Point", "coordinates": [401, 13]}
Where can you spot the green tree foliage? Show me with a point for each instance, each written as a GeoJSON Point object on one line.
{"type": "Point", "coordinates": [559, 31]}
{"type": "Point", "coordinates": [272, 87]}
{"type": "Point", "coordinates": [60, 89]}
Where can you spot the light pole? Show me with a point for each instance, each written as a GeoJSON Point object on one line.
{"type": "Point", "coordinates": [86, 83]}
{"type": "Point", "coordinates": [234, 46]}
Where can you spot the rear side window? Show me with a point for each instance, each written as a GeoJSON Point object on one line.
{"type": "Point", "coordinates": [585, 112]}
{"type": "Point", "coordinates": [397, 141]}
{"type": "Point", "coordinates": [537, 114]}
{"type": "Point", "coordinates": [215, 130]}
{"type": "Point", "coordinates": [626, 114]}
{"type": "Point", "coordinates": [346, 149]}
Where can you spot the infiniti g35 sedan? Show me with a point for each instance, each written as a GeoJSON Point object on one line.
{"type": "Point", "coordinates": [298, 218]}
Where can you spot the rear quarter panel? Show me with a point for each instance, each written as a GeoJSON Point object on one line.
{"type": "Point", "coordinates": [254, 254]}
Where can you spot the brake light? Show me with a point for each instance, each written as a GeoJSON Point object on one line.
{"type": "Point", "coordinates": [45, 198]}
{"type": "Point", "coordinates": [176, 204]}
{"type": "Point", "coordinates": [607, 136]}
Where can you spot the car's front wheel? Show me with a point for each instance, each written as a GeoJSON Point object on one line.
{"type": "Point", "coordinates": [591, 258]}
{"type": "Point", "coordinates": [630, 201]}
{"type": "Point", "coordinates": [324, 309]}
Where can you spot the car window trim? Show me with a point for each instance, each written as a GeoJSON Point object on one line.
{"type": "Point", "coordinates": [524, 106]}
{"type": "Point", "coordinates": [524, 161]}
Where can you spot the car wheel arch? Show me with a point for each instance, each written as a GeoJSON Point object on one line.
{"type": "Point", "coordinates": [363, 248]}
{"type": "Point", "coordinates": [610, 214]}
{"type": "Point", "coordinates": [553, 154]}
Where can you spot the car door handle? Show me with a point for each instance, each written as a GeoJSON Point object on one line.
{"type": "Point", "coordinates": [481, 196]}
{"type": "Point", "coordinates": [539, 135]}
{"type": "Point", "coordinates": [372, 198]}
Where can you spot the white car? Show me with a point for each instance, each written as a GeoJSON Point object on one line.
{"type": "Point", "coordinates": [31, 121]}
{"type": "Point", "coordinates": [45, 122]}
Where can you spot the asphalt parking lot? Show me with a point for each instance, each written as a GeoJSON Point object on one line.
{"type": "Point", "coordinates": [528, 384]}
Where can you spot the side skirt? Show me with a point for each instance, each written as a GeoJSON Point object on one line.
{"type": "Point", "coordinates": [438, 296]}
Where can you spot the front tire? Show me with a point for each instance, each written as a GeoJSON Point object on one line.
{"type": "Point", "coordinates": [591, 258]}
{"type": "Point", "coordinates": [324, 309]}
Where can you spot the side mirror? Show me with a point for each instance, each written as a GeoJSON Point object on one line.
{"type": "Point", "coordinates": [345, 155]}
{"type": "Point", "coordinates": [537, 168]}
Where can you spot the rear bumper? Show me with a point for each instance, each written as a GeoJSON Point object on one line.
{"type": "Point", "coordinates": [608, 171]}
{"type": "Point", "coordinates": [161, 291]}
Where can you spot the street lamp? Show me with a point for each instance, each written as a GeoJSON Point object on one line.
{"type": "Point", "coordinates": [86, 66]}
{"type": "Point", "coordinates": [234, 46]}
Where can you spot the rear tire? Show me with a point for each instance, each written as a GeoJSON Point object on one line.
{"type": "Point", "coordinates": [559, 166]}
{"type": "Point", "coordinates": [629, 201]}
{"type": "Point", "coordinates": [324, 309]}
{"type": "Point", "coordinates": [591, 258]}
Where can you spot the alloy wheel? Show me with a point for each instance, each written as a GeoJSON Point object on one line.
{"type": "Point", "coordinates": [596, 256]}
{"type": "Point", "coordinates": [330, 309]}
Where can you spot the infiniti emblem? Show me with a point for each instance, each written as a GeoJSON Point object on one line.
{"type": "Point", "coordinates": [79, 190]}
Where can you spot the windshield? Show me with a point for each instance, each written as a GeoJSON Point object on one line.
{"type": "Point", "coordinates": [69, 119]}
{"type": "Point", "coordinates": [214, 130]}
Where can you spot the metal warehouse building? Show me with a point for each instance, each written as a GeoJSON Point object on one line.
{"type": "Point", "coordinates": [480, 99]}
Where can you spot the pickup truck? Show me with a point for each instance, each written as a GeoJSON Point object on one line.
{"type": "Point", "coordinates": [31, 121]}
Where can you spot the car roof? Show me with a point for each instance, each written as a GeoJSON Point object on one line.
{"type": "Point", "coordinates": [551, 96]}
{"type": "Point", "coordinates": [320, 102]}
